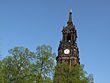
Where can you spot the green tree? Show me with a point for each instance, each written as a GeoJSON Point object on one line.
{"type": "Point", "coordinates": [24, 66]}
{"type": "Point", "coordinates": [64, 73]}
{"type": "Point", "coordinates": [16, 67]}
{"type": "Point", "coordinates": [44, 65]}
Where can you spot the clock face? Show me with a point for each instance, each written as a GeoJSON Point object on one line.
{"type": "Point", "coordinates": [66, 51]}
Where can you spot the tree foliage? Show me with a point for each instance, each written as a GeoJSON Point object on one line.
{"type": "Point", "coordinates": [64, 73]}
{"type": "Point", "coordinates": [24, 66]}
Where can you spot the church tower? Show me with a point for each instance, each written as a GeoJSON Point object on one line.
{"type": "Point", "coordinates": [68, 50]}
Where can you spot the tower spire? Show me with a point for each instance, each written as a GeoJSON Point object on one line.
{"type": "Point", "coordinates": [70, 18]}
{"type": "Point", "coordinates": [68, 50]}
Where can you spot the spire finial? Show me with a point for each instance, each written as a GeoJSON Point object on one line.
{"type": "Point", "coordinates": [70, 17]}
{"type": "Point", "coordinates": [70, 10]}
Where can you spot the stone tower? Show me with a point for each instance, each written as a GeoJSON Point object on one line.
{"type": "Point", "coordinates": [68, 50]}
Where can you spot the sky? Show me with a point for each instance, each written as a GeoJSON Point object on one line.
{"type": "Point", "coordinates": [30, 23]}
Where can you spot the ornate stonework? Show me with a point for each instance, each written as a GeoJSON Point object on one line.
{"type": "Point", "coordinates": [68, 50]}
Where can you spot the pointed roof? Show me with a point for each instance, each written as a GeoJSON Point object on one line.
{"type": "Point", "coordinates": [70, 25]}
{"type": "Point", "coordinates": [70, 18]}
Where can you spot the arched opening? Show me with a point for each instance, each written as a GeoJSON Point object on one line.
{"type": "Point", "coordinates": [68, 37]}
